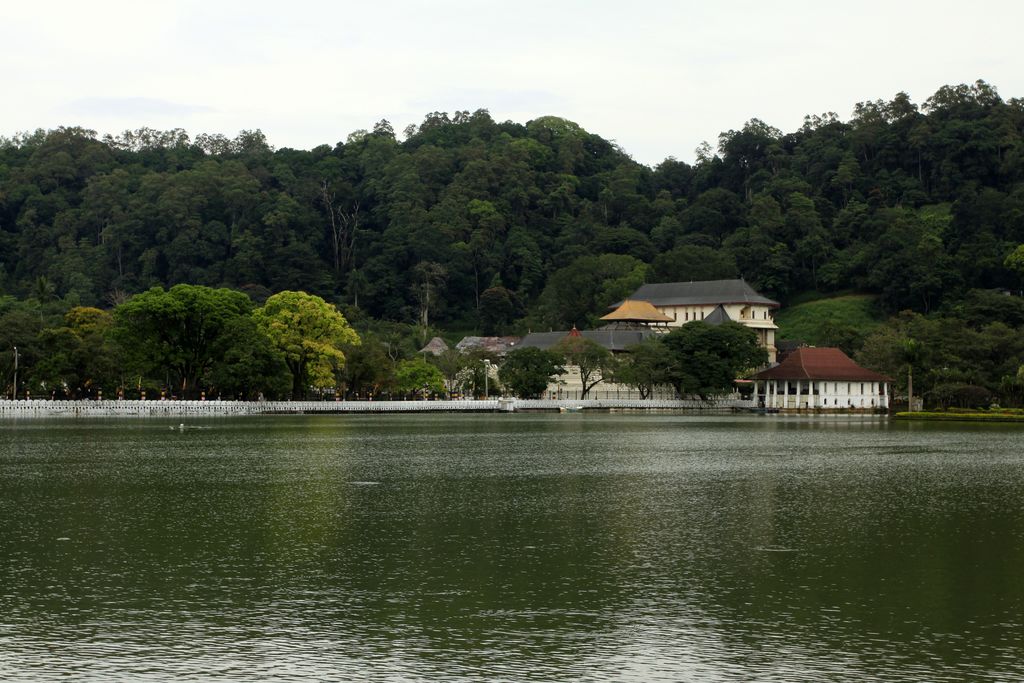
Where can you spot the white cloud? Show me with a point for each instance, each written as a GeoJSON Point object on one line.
{"type": "Point", "coordinates": [658, 77]}
{"type": "Point", "coordinates": [130, 107]}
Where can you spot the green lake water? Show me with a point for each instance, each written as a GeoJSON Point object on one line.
{"type": "Point", "coordinates": [583, 547]}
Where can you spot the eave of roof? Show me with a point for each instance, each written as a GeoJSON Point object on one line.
{"type": "Point", "coordinates": [820, 364]}
{"type": "Point", "coordinates": [637, 311]}
{"type": "Point", "coordinates": [705, 292]}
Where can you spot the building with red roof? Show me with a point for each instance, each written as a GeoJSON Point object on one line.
{"type": "Point", "coordinates": [821, 379]}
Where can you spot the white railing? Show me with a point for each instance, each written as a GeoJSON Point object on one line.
{"type": "Point", "coordinates": [43, 408]}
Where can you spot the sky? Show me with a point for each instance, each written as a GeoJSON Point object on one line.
{"type": "Point", "coordinates": [656, 77]}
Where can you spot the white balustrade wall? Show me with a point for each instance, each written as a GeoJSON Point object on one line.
{"type": "Point", "coordinates": [181, 409]}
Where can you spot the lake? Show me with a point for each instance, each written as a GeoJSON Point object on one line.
{"type": "Point", "coordinates": [542, 547]}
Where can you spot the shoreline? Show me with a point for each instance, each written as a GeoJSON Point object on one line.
{"type": "Point", "coordinates": [43, 408]}
{"type": "Point", "coordinates": [128, 408]}
{"type": "Point", "coordinates": [927, 416]}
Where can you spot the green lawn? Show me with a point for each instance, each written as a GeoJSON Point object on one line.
{"type": "Point", "coordinates": [953, 416]}
{"type": "Point", "coordinates": [818, 322]}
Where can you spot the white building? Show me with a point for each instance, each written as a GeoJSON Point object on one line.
{"type": "Point", "coordinates": [685, 302]}
{"type": "Point", "coordinates": [821, 379]}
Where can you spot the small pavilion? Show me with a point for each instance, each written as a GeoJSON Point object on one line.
{"type": "Point", "coordinates": [821, 379]}
{"type": "Point", "coordinates": [634, 314]}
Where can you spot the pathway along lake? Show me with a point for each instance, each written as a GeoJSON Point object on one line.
{"type": "Point", "coordinates": [589, 547]}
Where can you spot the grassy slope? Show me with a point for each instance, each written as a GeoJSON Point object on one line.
{"type": "Point", "coordinates": [804, 321]}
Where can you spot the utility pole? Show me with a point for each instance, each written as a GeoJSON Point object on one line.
{"type": "Point", "coordinates": [15, 373]}
{"type": "Point", "coordinates": [910, 388]}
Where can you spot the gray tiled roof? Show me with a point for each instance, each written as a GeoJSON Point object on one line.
{"type": "Point", "coordinates": [497, 345]}
{"type": "Point", "coordinates": [717, 316]}
{"type": "Point", "coordinates": [613, 340]}
{"type": "Point", "coordinates": [698, 293]}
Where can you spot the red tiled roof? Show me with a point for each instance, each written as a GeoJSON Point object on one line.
{"type": "Point", "coordinates": [824, 363]}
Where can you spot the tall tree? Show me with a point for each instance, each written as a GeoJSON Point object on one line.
{"type": "Point", "coordinates": [705, 360]}
{"type": "Point", "coordinates": [526, 372]}
{"type": "Point", "coordinates": [312, 335]}
{"type": "Point", "coordinates": [593, 362]}
{"type": "Point", "coordinates": [176, 331]}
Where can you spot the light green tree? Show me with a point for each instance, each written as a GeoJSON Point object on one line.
{"type": "Point", "coordinates": [419, 377]}
{"type": "Point", "coordinates": [311, 333]}
{"type": "Point", "coordinates": [1015, 261]}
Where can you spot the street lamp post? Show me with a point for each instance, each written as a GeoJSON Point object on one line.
{"type": "Point", "coordinates": [487, 372]}
{"type": "Point", "coordinates": [15, 373]}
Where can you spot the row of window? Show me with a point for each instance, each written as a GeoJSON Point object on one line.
{"type": "Point", "coordinates": [745, 314]}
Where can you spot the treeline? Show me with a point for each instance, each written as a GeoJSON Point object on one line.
{"type": "Point", "coordinates": [478, 224]}
{"type": "Point", "coordinates": [969, 355]}
{"type": "Point", "coordinates": [194, 342]}
{"type": "Point", "coordinates": [470, 224]}
{"type": "Point", "coordinates": [183, 342]}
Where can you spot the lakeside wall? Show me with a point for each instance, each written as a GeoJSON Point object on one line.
{"type": "Point", "coordinates": [180, 409]}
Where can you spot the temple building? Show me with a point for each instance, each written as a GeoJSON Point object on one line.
{"type": "Point", "coordinates": [720, 300]}
{"type": "Point", "coordinates": [628, 325]}
{"type": "Point", "coordinates": [821, 379]}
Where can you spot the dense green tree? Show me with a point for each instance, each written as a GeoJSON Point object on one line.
{"type": "Point", "coordinates": [526, 372]}
{"type": "Point", "coordinates": [498, 308]}
{"type": "Point", "coordinates": [369, 369]}
{"type": "Point", "coordinates": [688, 263]}
{"type": "Point", "coordinates": [644, 367]}
{"type": "Point", "coordinates": [915, 203]}
{"type": "Point", "coordinates": [249, 365]}
{"type": "Point", "coordinates": [939, 352]}
{"type": "Point", "coordinates": [705, 360]}
{"type": "Point", "coordinates": [311, 334]}
{"type": "Point", "coordinates": [79, 359]}
{"type": "Point", "coordinates": [593, 362]}
{"type": "Point", "coordinates": [581, 292]}
{"type": "Point", "coordinates": [174, 334]}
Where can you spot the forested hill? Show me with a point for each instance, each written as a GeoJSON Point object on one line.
{"type": "Point", "coordinates": [472, 223]}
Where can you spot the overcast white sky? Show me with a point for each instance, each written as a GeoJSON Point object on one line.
{"type": "Point", "coordinates": [657, 77]}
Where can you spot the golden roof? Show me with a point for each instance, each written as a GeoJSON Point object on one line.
{"type": "Point", "coordinates": [633, 310]}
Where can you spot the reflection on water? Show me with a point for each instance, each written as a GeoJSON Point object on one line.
{"type": "Point", "coordinates": [511, 547]}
